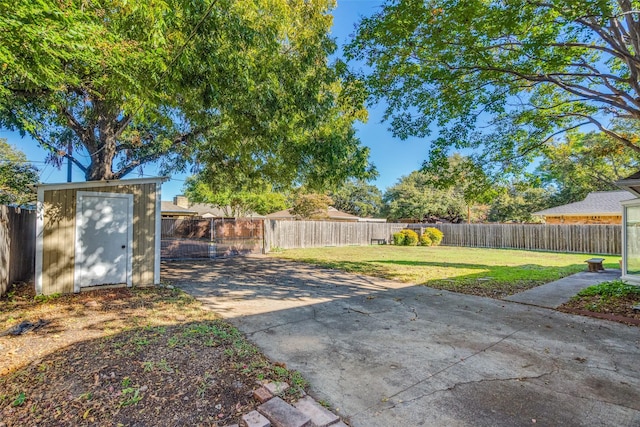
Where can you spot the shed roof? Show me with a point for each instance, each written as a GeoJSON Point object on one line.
{"type": "Point", "coordinates": [596, 203]}
{"type": "Point", "coordinates": [105, 183]}
{"type": "Point", "coordinates": [332, 213]}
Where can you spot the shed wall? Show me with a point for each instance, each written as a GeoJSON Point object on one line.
{"type": "Point", "coordinates": [58, 257]}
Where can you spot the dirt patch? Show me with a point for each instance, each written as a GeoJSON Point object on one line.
{"type": "Point", "coordinates": [488, 288]}
{"type": "Point", "coordinates": [619, 309]}
{"type": "Point", "coordinates": [127, 357]}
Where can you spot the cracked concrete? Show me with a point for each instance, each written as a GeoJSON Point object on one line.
{"type": "Point", "coordinates": [386, 353]}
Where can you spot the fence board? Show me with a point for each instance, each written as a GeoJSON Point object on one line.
{"type": "Point", "coordinates": [17, 246]}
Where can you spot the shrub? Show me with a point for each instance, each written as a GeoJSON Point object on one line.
{"type": "Point", "coordinates": [405, 238]}
{"type": "Point", "coordinates": [435, 235]}
{"type": "Point", "coordinates": [410, 238]}
{"type": "Point", "coordinates": [425, 240]}
{"type": "Point", "coordinates": [398, 238]}
{"type": "Point", "coordinates": [612, 289]}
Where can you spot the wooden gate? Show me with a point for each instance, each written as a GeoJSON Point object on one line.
{"type": "Point", "coordinates": [211, 238]}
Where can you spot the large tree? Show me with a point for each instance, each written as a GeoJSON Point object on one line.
{"type": "Point", "coordinates": [16, 175]}
{"type": "Point", "coordinates": [415, 197]}
{"type": "Point", "coordinates": [503, 76]}
{"type": "Point", "coordinates": [517, 201]}
{"type": "Point", "coordinates": [233, 84]}
{"type": "Point", "coordinates": [359, 198]}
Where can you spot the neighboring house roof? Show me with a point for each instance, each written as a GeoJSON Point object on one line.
{"type": "Point", "coordinates": [631, 184]}
{"type": "Point", "coordinates": [332, 213]}
{"type": "Point", "coordinates": [596, 203]}
{"type": "Point", "coordinates": [209, 211]}
{"type": "Point", "coordinates": [181, 204]}
{"type": "Point", "coordinates": [168, 208]}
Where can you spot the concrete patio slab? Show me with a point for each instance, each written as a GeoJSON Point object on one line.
{"type": "Point", "coordinates": [554, 294]}
{"type": "Point", "coordinates": [384, 353]}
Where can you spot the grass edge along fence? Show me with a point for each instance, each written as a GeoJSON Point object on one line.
{"type": "Point", "coordinates": [590, 239]}
{"type": "Point", "coordinates": [594, 239]}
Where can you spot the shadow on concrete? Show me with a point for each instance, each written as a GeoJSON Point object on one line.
{"type": "Point", "coordinates": [388, 353]}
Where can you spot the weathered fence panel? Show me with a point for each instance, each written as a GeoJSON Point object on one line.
{"type": "Point", "coordinates": [311, 234]}
{"type": "Point", "coordinates": [593, 239]}
{"type": "Point", "coordinates": [17, 246]}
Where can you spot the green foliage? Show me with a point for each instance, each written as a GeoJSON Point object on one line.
{"type": "Point", "coordinates": [516, 202]}
{"type": "Point", "coordinates": [358, 198]}
{"type": "Point", "coordinates": [415, 197]}
{"type": "Point", "coordinates": [425, 240]}
{"type": "Point", "coordinates": [19, 400]}
{"type": "Point", "coordinates": [612, 289]}
{"type": "Point", "coordinates": [434, 235]}
{"type": "Point", "coordinates": [502, 77]}
{"type": "Point", "coordinates": [310, 205]}
{"type": "Point", "coordinates": [586, 162]}
{"type": "Point", "coordinates": [405, 237]}
{"type": "Point", "coordinates": [241, 88]}
{"type": "Point", "coordinates": [16, 175]}
{"type": "Point", "coordinates": [233, 199]}
{"type": "Point", "coordinates": [398, 239]}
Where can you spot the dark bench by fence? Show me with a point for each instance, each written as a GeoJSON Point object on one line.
{"type": "Point", "coordinates": [595, 264]}
{"type": "Point", "coordinates": [379, 241]}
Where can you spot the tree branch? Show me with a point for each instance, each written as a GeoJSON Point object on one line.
{"type": "Point", "coordinates": [61, 153]}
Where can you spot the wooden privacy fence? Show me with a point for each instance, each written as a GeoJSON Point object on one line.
{"type": "Point", "coordinates": [311, 234]}
{"type": "Point", "coordinates": [17, 246]}
{"type": "Point", "coordinates": [593, 239]}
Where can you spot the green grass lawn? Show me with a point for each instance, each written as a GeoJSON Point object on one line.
{"type": "Point", "coordinates": [479, 271]}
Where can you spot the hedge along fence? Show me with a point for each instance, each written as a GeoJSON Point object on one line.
{"type": "Point", "coordinates": [313, 234]}
{"type": "Point", "coordinates": [17, 246]}
{"type": "Point", "coordinates": [592, 239]}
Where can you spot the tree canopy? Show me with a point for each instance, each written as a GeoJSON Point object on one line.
{"type": "Point", "coordinates": [415, 197]}
{"type": "Point", "coordinates": [504, 77]}
{"type": "Point", "coordinates": [582, 163]}
{"type": "Point", "coordinates": [517, 201]}
{"type": "Point", "coordinates": [359, 198]}
{"type": "Point", "coordinates": [236, 202]}
{"type": "Point", "coordinates": [310, 205]}
{"type": "Point", "coordinates": [231, 85]}
{"type": "Point", "coordinates": [16, 174]}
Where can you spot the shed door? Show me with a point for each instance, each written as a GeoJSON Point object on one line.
{"type": "Point", "coordinates": [103, 239]}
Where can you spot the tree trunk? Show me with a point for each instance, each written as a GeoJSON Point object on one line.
{"type": "Point", "coordinates": [101, 167]}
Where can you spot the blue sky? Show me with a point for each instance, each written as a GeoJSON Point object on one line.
{"type": "Point", "coordinates": [392, 157]}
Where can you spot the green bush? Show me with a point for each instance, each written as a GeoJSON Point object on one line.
{"type": "Point", "coordinates": [425, 240]}
{"type": "Point", "coordinates": [435, 235]}
{"type": "Point", "coordinates": [410, 238]}
{"type": "Point", "coordinates": [405, 238]}
{"type": "Point", "coordinates": [612, 289]}
{"type": "Point", "coordinates": [398, 238]}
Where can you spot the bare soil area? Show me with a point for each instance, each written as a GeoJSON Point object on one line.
{"type": "Point", "coordinates": [135, 357]}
